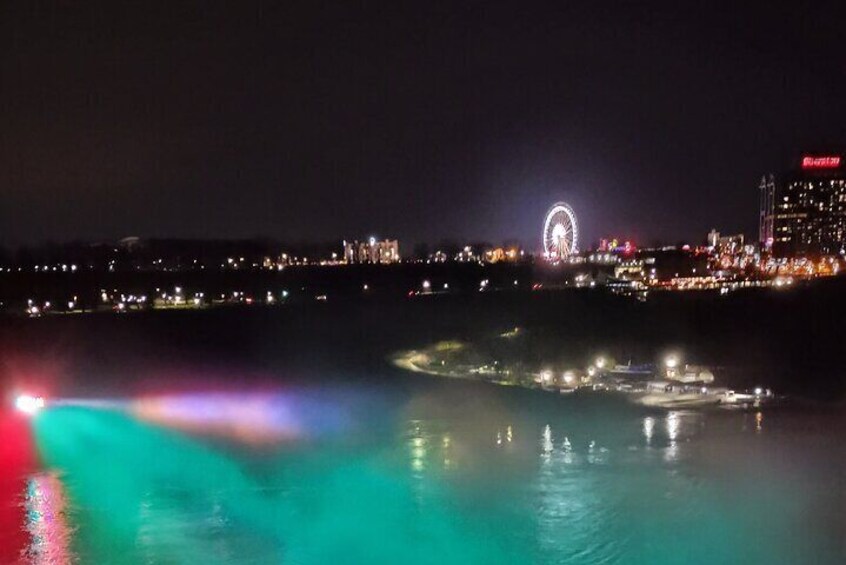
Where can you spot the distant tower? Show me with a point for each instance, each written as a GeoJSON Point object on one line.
{"type": "Point", "coordinates": [713, 238]}
{"type": "Point", "coordinates": [767, 209]}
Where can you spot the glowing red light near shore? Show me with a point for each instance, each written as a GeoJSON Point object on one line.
{"type": "Point", "coordinates": [821, 162]}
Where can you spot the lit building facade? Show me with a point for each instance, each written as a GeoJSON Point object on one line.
{"type": "Point", "coordinates": [726, 244]}
{"type": "Point", "coordinates": [765, 216]}
{"type": "Point", "coordinates": [615, 245]}
{"type": "Point", "coordinates": [805, 213]}
{"type": "Point", "coordinates": [372, 251]}
{"type": "Point", "coordinates": [629, 270]}
{"type": "Point", "coordinates": [501, 254]}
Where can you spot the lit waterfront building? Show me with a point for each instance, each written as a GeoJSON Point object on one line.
{"type": "Point", "coordinates": [372, 251]}
{"type": "Point", "coordinates": [616, 246]}
{"type": "Point", "coordinates": [726, 244]}
{"type": "Point", "coordinates": [500, 254]}
{"type": "Point", "coordinates": [467, 255]}
{"type": "Point", "coordinates": [805, 212]}
{"type": "Point", "coordinates": [632, 270]}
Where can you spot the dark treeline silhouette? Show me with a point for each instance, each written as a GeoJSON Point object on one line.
{"type": "Point", "coordinates": [135, 253]}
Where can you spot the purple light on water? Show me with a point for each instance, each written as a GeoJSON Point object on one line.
{"type": "Point", "coordinates": [248, 417]}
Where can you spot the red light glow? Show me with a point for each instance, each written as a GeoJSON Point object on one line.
{"type": "Point", "coordinates": [821, 162]}
{"type": "Point", "coordinates": [18, 458]}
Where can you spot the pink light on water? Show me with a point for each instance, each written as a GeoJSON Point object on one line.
{"type": "Point", "coordinates": [46, 506]}
{"type": "Point", "coordinates": [247, 417]}
{"type": "Point", "coordinates": [17, 460]}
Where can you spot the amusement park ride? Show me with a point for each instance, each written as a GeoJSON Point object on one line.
{"type": "Point", "coordinates": [560, 232]}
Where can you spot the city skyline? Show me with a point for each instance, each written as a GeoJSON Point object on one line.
{"type": "Point", "coordinates": [806, 166]}
{"type": "Point", "coordinates": [429, 283]}
{"type": "Point", "coordinates": [415, 123]}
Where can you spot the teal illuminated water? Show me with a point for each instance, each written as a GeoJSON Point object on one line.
{"type": "Point", "coordinates": [437, 472]}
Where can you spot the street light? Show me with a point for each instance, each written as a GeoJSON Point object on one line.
{"type": "Point", "coordinates": [671, 361]}
{"type": "Point", "coordinates": [600, 362]}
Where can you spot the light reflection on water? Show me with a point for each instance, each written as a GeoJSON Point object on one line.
{"type": "Point", "coordinates": [571, 480]}
{"type": "Point", "coordinates": [46, 520]}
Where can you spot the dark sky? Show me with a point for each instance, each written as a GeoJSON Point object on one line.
{"type": "Point", "coordinates": [419, 121]}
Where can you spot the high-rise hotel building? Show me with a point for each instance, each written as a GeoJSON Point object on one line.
{"type": "Point", "coordinates": [804, 211]}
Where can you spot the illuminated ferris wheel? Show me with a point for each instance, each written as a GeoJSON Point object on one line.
{"type": "Point", "coordinates": [560, 232]}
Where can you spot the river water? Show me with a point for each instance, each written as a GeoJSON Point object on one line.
{"type": "Point", "coordinates": [425, 470]}
{"type": "Point", "coordinates": [284, 436]}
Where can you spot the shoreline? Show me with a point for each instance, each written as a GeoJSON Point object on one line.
{"type": "Point", "coordinates": [410, 360]}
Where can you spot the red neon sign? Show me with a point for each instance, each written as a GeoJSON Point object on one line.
{"type": "Point", "coordinates": [824, 162]}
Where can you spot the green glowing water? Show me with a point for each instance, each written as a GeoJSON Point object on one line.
{"type": "Point", "coordinates": [507, 477]}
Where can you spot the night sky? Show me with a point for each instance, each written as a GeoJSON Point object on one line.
{"type": "Point", "coordinates": [420, 121]}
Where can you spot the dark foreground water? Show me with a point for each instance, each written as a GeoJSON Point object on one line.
{"type": "Point", "coordinates": [436, 472]}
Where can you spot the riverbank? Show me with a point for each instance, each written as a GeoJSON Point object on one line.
{"type": "Point", "coordinates": [452, 359]}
